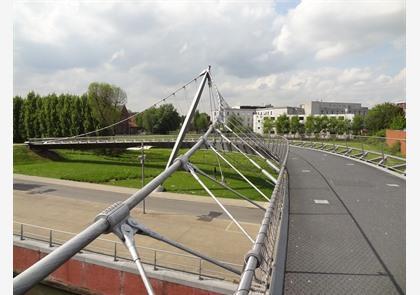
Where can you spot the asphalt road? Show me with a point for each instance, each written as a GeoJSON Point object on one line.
{"type": "Point", "coordinates": [205, 210]}
{"type": "Point", "coordinates": [346, 227]}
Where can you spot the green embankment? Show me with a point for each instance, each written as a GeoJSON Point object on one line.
{"type": "Point", "coordinates": [124, 170]}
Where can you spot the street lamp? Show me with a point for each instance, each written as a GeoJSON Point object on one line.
{"type": "Point", "coordinates": [142, 158]}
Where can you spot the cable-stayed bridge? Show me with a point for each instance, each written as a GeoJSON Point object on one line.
{"type": "Point", "coordinates": [318, 240]}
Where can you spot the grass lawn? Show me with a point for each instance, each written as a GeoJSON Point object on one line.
{"type": "Point", "coordinates": [124, 170]}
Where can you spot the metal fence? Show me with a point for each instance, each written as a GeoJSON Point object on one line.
{"type": "Point", "coordinates": [373, 150]}
{"type": "Point", "coordinates": [258, 271]}
{"type": "Point", "coordinates": [158, 258]}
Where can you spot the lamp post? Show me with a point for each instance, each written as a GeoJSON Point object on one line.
{"type": "Point", "coordinates": [142, 158]}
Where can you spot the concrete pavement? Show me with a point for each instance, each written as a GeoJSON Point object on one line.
{"type": "Point", "coordinates": [191, 220]}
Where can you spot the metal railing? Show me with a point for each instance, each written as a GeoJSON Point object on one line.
{"type": "Point", "coordinates": [358, 150]}
{"type": "Point", "coordinates": [258, 274]}
{"type": "Point", "coordinates": [158, 258]}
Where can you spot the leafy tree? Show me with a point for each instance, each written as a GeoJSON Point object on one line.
{"type": "Point", "coordinates": [19, 133]}
{"type": "Point", "coordinates": [357, 124]}
{"type": "Point", "coordinates": [200, 121]}
{"type": "Point", "coordinates": [332, 125]}
{"type": "Point", "coordinates": [310, 124]}
{"type": "Point", "coordinates": [88, 121]}
{"type": "Point", "coordinates": [105, 100]}
{"type": "Point", "coordinates": [268, 125]}
{"type": "Point", "coordinates": [282, 124]}
{"type": "Point", "coordinates": [76, 116]}
{"type": "Point", "coordinates": [168, 118]}
{"type": "Point", "coordinates": [29, 115]}
{"type": "Point", "coordinates": [295, 125]}
{"type": "Point", "coordinates": [64, 107]}
{"type": "Point", "coordinates": [343, 125]}
{"type": "Point", "coordinates": [398, 122]}
{"type": "Point", "coordinates": [381, 116]}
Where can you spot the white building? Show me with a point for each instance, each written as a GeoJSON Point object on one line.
{"type": "Point", "coordinates": [333, 108]}
{"type": "Point", "coordinates": [273, 113]}
{"type": "Point", "coordinates": [245, 113]}
{"type": "Point", "coordinates": [314, 108]}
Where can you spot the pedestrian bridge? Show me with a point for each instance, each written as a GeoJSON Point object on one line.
{"type": "Point", "coordinates": [334, 223]}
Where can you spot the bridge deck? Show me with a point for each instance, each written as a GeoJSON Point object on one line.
{"type": "Point", "coordinates": [346, 227]}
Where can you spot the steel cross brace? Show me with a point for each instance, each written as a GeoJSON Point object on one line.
{"type": "Point", "coordinates": [129, 227]}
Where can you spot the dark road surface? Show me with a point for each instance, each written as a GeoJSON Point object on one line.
{"type": "Point", "coordinates": [346, 227]}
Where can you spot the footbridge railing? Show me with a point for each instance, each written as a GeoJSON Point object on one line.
{"type": "Point", "coordinates": [359, 150]}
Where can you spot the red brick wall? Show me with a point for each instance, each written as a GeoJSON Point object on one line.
{"type": "Point", "coordinates": [393, 136]}
{"type": "Point", "coordinates": [99, 279]}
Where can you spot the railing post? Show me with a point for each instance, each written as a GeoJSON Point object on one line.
{"type": "Point", "coordinates": [154, 261]}
{"type": "Point", "coordinates": [115, 251]}
{"type": "Point", "coordinates": [199, 269]}
{"type": "Point", "coordinates": [51, 238]}
{"type": "Point", "coordinates": [21, 232]}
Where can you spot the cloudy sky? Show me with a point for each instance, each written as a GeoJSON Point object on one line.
{"type": "Point", "coordinates": [279, 52]}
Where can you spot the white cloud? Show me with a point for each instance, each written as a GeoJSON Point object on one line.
{"type": "Point", "coordinates": [257, 55]}
{"type": "Point", "coordinates": [331, 29]}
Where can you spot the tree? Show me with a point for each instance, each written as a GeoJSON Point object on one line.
{"type": "Point", "coordinates": [381, 116]}
{"type": "Point", "coordinates": [168, 119]}
{"type": "Point", "coordinates": [19, 133]}
{"type": "Point", "coordinates": [105, 100]}
{"type": "Point", "coordinates": [89, 122]}
{"type": "Point", "coordinates": [76, 116]}
{"type": "Point", "coordinates": [200, 121]}
{"type": "Point", "coordinates": [357, 124]}
{"type": "Point", "coordinates": [159, 120]}
{"type": "Point", "coordinates": [268, 125]}
{"type": "Point", "coordinates": [332, 125]}
{"type": "Point", "coordinates": [29, 115]}
{"type": "Point", "coordinates": [64, 107]}
{"type": "Point", "coordinates": [343, 125]}
{"type": "Point", "coordinates": [398, 123]}
{"type": "Point", "coordinates": [282, 124]}
{"type": "Point", "coordinates": [295, 125]}
{"type": "Point", "coordinates": [310, 124]}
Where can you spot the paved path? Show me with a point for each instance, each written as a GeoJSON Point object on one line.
{"type": "Point", "coordinates": [346, 227]}
{"type": "Point", "coordinates": [158, 202]}
{"type": "Point", "coordinates": [191, 220]}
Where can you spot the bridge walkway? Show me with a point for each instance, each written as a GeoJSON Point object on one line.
{"type": "Point", "coordinates": [346, 227]}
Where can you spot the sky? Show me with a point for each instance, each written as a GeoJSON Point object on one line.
{"type": "Point", "coordinates": [261, 52]}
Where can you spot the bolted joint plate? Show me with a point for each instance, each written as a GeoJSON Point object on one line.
{"type": "Point", "coordinates": [256, 254]}
{"type": "Point", "coordinates": [114, 214]}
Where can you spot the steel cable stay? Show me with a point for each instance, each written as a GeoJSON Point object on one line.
{"type": "Point", "coordinates": [251, 137]}
{"type": "Point", "coordinates": [232, 159]}
{"type": "Point", "coordinates": [263, 171]}
{"type": "Point", "coordinates": [201, 172]}
{"type": "Point", "coordinates": [237, 171]}
{"type": "Point", "coordinates": [273, 166]}
{"type": "Point", "coordinates": [116, 218]}
{"type": "Point", "coordinates": [159, 101]}
{"type": "Point", "coordinates": [188, 167]}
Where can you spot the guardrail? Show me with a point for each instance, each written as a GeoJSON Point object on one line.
{"type": "Point", "coordinates": [158, 258]}
{"type": "Point", "coordinates": [258, 274]}
{"type": "Point", "coordinates": [381, 159]}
